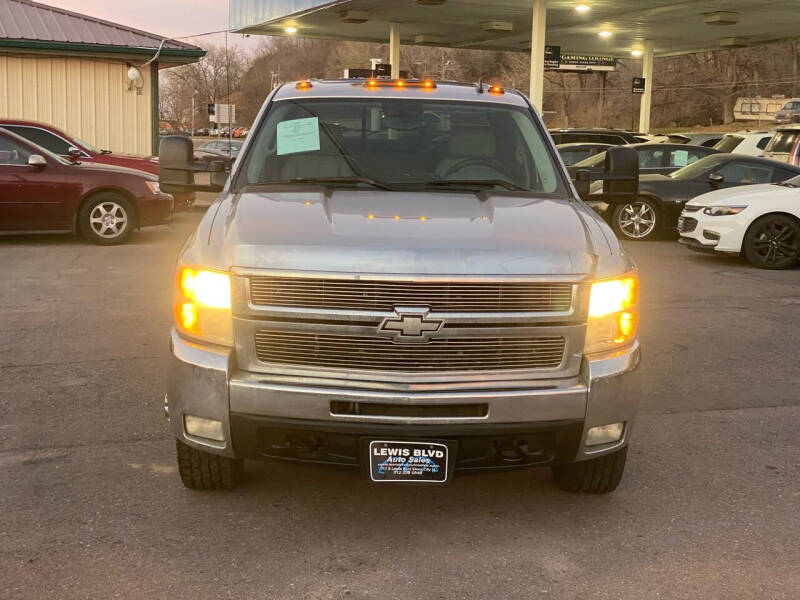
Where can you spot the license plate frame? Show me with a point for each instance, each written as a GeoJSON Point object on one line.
{"type": "Point", "coordinates": [431, 465]}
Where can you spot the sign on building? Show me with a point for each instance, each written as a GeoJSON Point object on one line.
{"type": "Point", "coordinates": [638, 85]}
{"type": "Point", "coordinates": [552, 57]}
{"type": "Point", "coordinates": [587, 62]}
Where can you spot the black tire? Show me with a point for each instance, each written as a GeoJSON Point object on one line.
{"type": "Point", "coordinates": [627, 229]}
{"type": "Point", "coordinates": [599, 475]}
{"type": "Point", "coordinates": [772, 242]}
{"type": "Point", "coordinates": [119, 212]}
{"type": "Point", "coordinates": [205, 471]}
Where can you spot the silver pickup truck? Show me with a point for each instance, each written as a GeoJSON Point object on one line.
{"type": "Point", "coordinates": [399, 276]}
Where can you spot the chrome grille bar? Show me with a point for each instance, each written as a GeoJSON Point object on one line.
{"type": "Point", "coordinates": [378, 354]}
{"type": "Point", "coordinates": [324, 293]}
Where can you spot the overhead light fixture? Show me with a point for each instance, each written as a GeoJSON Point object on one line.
{"type": "Point", "coordinates": [636, 52]}
{"type": "Point", "coordinates": [354, 16]}
{"type": "Point", "coordinates": [722, 17]}
{"type": "Point", "coordinates": [604, 34]}
{"type": "Point", "coordinates": [582, 8]}
{"type": "Point", "coordinates": [427, 38]}
{"type": "Point", "coordinates": [290, 29]}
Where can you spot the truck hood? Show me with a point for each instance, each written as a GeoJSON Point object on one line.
{"type": "Point", "coordinates": [404, 233]}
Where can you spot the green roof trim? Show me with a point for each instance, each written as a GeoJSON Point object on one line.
{"type": "Point", "coordinates": [100, 48]}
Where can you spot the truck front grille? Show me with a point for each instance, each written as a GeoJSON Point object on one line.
{"type": "Point", "coordinates": [346, 294]}
{"type": "Point", "coordinates": [377, 354]}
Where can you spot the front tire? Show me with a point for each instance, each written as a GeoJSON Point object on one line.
{"type": "Point", "coordinates": [636, 221]}
{"type": "Point", "coordinates": [599, 475]}
{"type": "Point", "coordinates": [773, 242]}
{"type": "Point", "coordinates": [107, 219]}
{"type": "Point", "coordinates": [205, 471]}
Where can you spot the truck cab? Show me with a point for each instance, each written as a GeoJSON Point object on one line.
{"type": "Point", "coordinates": [399, 277]}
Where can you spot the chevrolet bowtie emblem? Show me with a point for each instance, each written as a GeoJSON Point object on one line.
{"type": "Point", "coordinates": [411, 326]}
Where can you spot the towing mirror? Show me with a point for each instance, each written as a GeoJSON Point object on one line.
{"type": "Point", "coordinates": [620, 177]}
{"type": "Point", "coordinates": [583, 181]}
{"type": "Point", "coordinates": [177, 168]}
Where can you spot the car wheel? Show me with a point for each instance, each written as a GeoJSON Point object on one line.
{"type": "Point", "coordinates": [637, 220]}
{"type": "Point", "coordinates": [205, 471]}
{"type": "Point", "coordinates": [599, 475]}
{"type": "Point", "coordinates": [773, 242]}
{"type": "Point", "coordinates": [107, 219]}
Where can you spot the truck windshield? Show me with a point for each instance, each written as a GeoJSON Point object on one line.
{"type": "Point", "coordinates": [401, 144]}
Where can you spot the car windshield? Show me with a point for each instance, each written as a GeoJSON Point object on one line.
{"type": "Point", "coordinates": [696, 169]}
{"type": "Point", "coordinates": [792, 106]}
{"type": "Point", "coordinates": [728, 143]}
{"type": "Point", "coordinates": [403, 144]}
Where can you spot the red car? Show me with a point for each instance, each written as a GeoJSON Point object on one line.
{"type": "Point", "coordinates": [59, 142]}
{"type": "Point", "coordinates": [42, 192]}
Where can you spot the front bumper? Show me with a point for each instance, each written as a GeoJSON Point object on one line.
{"type": "Point", "coordinates": [713, 234]}
{"type": "Point", "coordinates": [155, 210]}
{"type": "Point", "coordinates": [264, 418]}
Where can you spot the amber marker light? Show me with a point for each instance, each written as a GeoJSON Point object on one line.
{"type": "Point", "coordinates": [496, 90]}
{"type": "Point", "coordinates": [304, 85]}
{"type": "Point", "coordinates": [428, 85]}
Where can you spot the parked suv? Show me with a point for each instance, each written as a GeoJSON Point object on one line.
{"type": "Point", "coordinates": [790, 113]}
{"type": "Point", "coordinates": [71, 148]}
{"type": "Point", "coordinates": [600, 135]}
{"type": "Point", "coordinates": [785, 145]}
{"type": "Point", "coordinates": [398, 276]}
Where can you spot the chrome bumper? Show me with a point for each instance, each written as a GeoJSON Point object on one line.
{"type": "Point", "coordinates": [204, 381]}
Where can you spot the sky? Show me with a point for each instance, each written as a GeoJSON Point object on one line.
{"type": "Point", "coordinates": [171, 18]}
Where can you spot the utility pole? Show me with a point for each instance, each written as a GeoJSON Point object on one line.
{"type": "Point", "coordinates": [191, 133]}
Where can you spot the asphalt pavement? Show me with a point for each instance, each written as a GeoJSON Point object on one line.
{"type": "Point", "coordinates": [91, 505]}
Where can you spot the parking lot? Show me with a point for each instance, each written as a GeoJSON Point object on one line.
{"type": "Point", "coordinates": [92, 506]}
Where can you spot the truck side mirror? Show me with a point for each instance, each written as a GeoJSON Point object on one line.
{"type": "Point", "coordinates": [621, 176]}
{"type": "Point", "coordinates": [177, 167]}
{"type": "Point", "coordinates": [583, 181]}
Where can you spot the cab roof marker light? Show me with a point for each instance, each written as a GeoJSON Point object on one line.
{"type": "Point", "coordinates": [304, 85]}
{"type": "Point", "coordinates": [400, 84]}
{"type": "Point", "coordinates": [496, 90]}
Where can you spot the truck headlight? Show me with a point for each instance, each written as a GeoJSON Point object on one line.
{"type": "Point", "coordinates": [613, 314]}
{"type": "Point", "coordinates": [202, 305]}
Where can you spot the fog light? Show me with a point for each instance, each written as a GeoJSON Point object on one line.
{"type": "Point", "coordinates": [204, 428]}
{"type": "Point", "coordinates": [605, 434]}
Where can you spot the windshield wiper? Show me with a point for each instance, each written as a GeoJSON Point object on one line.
{"type": "Point", "coordinates": [478, 183]}
{"type": "Point", "coordinates": [324, 180]}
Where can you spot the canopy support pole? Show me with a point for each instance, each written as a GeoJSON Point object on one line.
{"type": "Point", "coordinates": [394, 50]}
{"type": "Point", "coordinates": [538, 28]}
{"type": "Point", "coordinates": [647, 97]}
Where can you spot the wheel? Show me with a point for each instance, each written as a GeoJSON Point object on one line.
{"type": "Point", "coordinates": [599, 475]}
{"type": "Point", "coordinates": [107, 219]}
{"type": "Point", "coordinates": [773, 242]}
{"type": "Point", "coordinates": [637, 220]}
{"type": "Point", "coordinates": [205, 471]}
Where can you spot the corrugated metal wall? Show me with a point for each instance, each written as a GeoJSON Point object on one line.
{"type": "Point", "coordinates": [86, 97]}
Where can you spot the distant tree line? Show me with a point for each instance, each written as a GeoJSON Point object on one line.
{"type": "Point", "coordinates": [689, 90]}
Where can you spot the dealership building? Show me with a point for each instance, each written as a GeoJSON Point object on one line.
{"type": "Point", "coordinates": [95, 79]}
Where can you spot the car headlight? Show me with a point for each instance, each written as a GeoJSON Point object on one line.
{"type": "Point", "coordinates": [723, 211]}
{"type": "Point", "coordinates": [153, 187]}
{"type": "Point", "coordinates": [613, 314]}
{"type": "Point", "coordinates": [202, 305]}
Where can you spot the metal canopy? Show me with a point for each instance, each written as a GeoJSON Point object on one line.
{"type": "Point", "coordinates": [674, 27]}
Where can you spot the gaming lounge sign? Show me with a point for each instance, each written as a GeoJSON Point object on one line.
{"type": "Point", "coordinates": [556, 60]}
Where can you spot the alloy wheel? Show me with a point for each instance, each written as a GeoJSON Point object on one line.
{"type": "Point", "coordinates": [637, 220]}
{"type": "Point", "coordinates": [108, 219]}
{"type": "Point", "coordinates": [776, 242]}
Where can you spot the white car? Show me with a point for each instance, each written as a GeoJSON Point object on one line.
{"type": "Point", "coordinates": [751, 143]}
{"type": "Point", "coordinates": [760, 222]}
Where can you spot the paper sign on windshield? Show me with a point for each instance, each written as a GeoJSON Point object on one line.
{"type": "Point", "coordinates": [681, 158]}
{"type": "Point", "coordinates": [298, 135]}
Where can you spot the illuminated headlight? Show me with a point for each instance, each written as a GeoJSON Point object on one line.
{"type": "Point", "coordinates": [209, 429]}
{"type": "Point", "coordinates": [723, 211]}
{"type": "Point", "coordinates": [202, 305]}
{"type": "Point", "coordinates": [613, 314]}
{"type": "Point", "coordinates": [153, 187]}
{"type": "Point", "coordinates": [605, 434]}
